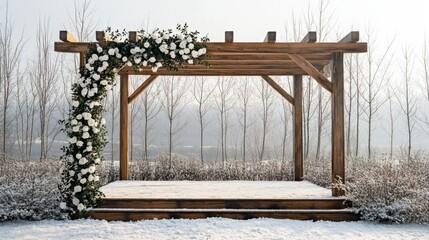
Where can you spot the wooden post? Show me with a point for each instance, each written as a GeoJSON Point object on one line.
{"type": "Point", "coordinates": [297, 128]}
{"type": "Point", "coordinates": [123, 131]}
{"type": "Point", "coordinates": [81, 60]}
{"type": "Point", "coordinates": [338, 167]}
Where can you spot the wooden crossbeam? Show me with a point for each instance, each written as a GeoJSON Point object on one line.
{"type": "Point", "coordinates": [250, 67]}
{"type": "Point", "coordinates": [278, 88]}
{"type": "Point", "coordinates": [264, 56]}
{"type": "Point", "coordinates": [253, 48]}
{"type": "Point", "coordinates": [266, 63]}
{"type": "Point", "coordinates": [67, 37]}
{"type": "Point", "coordinates": [215, 72]}
{"type": "Point", "coordinates": [229, 36]}
{"type": "Point", "coordinates": [101, 36]}
{"type": "Point", "coordinates": [141, 88]}
{"type": "Point", "coordinates": [311, 37]}
{"type": "Point", "coordinates": [352, 37]}
{"type": "Point", "coordinates": [312, 71]}
{"type": "Point", "coordinates": [270, 37]}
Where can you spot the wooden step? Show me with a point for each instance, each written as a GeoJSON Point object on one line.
{"type": "Point", "coordinates": [128, 214]}
{"type": "Point", "coordinates": [328, 203]}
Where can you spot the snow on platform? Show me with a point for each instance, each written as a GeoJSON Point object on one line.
{"type": "Point", "coordinates": [215, 190]}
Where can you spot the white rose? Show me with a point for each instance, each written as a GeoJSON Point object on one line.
{"type": "Point", "coordinates": [71, 173]}
{"type": "Point", "coordinates": [85, 135]}
{"type": "Point", "coordinates": [190, 46]}
{"type": "Point", "coordinates": [172, 54]}
{"type": "Point", "coordinates": [63, 205]}
{"type": "Point", "coordinates": [158, 64]}
{"type": "Point", "coordinates": [83, 181]}
{"type": "Point", "coordinates": [181, 52]}
{"type": "Point", "coordinates": [154, 69]}
{"type": "Point", "coordinates": [89, 148]}
{"type": "Point", "coordinates": [200, 52]}
{"type": "Point", "coordinates": [185, 57]}
{"type": "Point", "coordinates": [167, 36]}
{"type": "Point", "coordinates": [129, 64]}
{"type": "Point", "coordinates": [152, 59]}
{"type": "Point", "coordinates": [100, 69]}
{"type": "Point", "coordinates": [75, 200]}
{"type": "Point", "coordinates": [145, 63]}
{"type": "Point", "coordinates": [186, 50]}
{"type": "Point", "coordinates": [104, 82]}
{"type": "Point", "coordinates": [78, 156]}
{"type": "Point", "coordinates": [85, 128]}
{"type": "Point", "coordinates": [118, 55]}
{"type": "Point", "coordinates": [82, 161]}
{"type": "Point", "coordinates": [97, 160]}
{"type": "Point", "coordinates": [190, 61]}
{"type": "Point", "coordinates": [95, 130]}
{"type": "Point", "coordinates": [124, 59]}
{"type": "Point", "coordinates": [75, 103]}
{"type": "Point", "coordinates": [79, 143]}
{"type": "Point", "coordinates": [189, 39]}
{"type": "Point", "coordinates": [108, 87]}
{"type": "Point", "coordinates": [77, 189]}
{"type": "Point", "coordinates": [72, 140]}
{"type": "Point", "coordinates": [137, 49]}
{"type": "Point", "coordinates": [91, 169]}
{"type": "Point", "coordinates": [79, 117]}
{"type": "Point", "coordinates": [137, 60]}
{"type": "Point", "coordinates": [146, 44]}
{"type": "Point", "coordinates": [73, 122]}
{"type": "Point", "coordinates": [155, 35]}
{"type": "Point", "coordinates": [194, 54]}
{"type": "Point", "coordinates": [90, 178]}
{"type": "Point", "coordinates": [182, 44]}
{"type": "Point", "coordinates": [80, 207]}
{"type": "Point", "coordinates": [90, 93]}
{"type": "Point", "coordinates": [106, 64]}
{"type": "Point", "coordinates": [180, 36]}
{"type": "Point", "coordinates": [96, 178]}
{"type": "Point", "coordinates": [99, 49]}
{"type": "Point", "coordinates": [96, 77]}
{"type": "Point", "coordinates": [158, 41]}
{"type": "Point", "coordinates": [84, 171]}
{"type": "Point", "coordinates": [76, 129]}
{"type": "Point", "coordinates": [84, 91]}
{"type": "Point", "coordinates": [103, 121]}
{"type": "Point", "coordinates": [172, 46]}
{"type": "Point", "coordinates": [91, 122]}
{"type": "Point", "coordinates": [132, 51]}
{"type": "Point", "coordinates": [111, 51]}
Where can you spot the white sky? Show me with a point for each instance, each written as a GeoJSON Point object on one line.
{"type": "Point", "coordinates": [250, 20]}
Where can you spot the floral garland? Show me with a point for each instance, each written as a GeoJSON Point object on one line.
{"type": "Point", "coordinates": [85, 125]}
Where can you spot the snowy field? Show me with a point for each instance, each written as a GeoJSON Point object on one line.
{"type": "Point", "coordinates": [212, 228]}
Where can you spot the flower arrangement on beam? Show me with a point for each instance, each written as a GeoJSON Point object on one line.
{"type": "Point", "coordinates": [85, 126]}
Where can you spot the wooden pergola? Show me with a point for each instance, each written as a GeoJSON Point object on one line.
{"type": "Point", "coordinates": [264, 59]}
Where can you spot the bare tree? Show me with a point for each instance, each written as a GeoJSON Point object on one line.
{"type": "Point", "coordinates": [10, 54]}
{"type": "Point", "coordinates": [112, 105]}
{"type": "Point", "coordinates": [82, 20]}
{"type": "Point", "coordinates": [424, 117]}
{"type": "Point", "coordinates": [244, 95]}
{"type": "Point", "coordinates": [43, 73]}
{"type": "Point", "coordinates": [393, 115]}
{"type": "Point", "coordinates": [266, 94]}
{"type": "Point", "coordinates": [135, 107]}
{"type": "Point", "coordinates": [358, 100]}
{"type": "Point", "coordinates": [174, 102]}
{"type": "Point", "coordinates": [224, 87]}
{"type": "Point", "coordinates": [407, 100]}
{"type": "Point", "coordinates": [201, 93]}
{"type": "Point", "coordinates": [375, 79]}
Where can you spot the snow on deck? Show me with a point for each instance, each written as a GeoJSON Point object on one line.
{"type": "Point", "coordinates": [215, 190]}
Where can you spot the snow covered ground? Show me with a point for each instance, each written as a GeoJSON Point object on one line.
{"type": "Point", "coordinates": [212, 228]}
{"type": "Point", "coordinates": [215, 189]}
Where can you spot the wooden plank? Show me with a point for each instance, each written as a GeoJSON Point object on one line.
{"type": "Point", "coordinates": [316, 62]}
{"type": "Point", "coordinates": [242, 66]}
{"type": "Point", "coordinates": [141, 214]}
{"type": "Point", "coordinates": [123, 130]}
{"type": "Point", "coordinates": [312, 71]}
{"type": "Point", "coordinates": [338, 156]}
{"type": "Point", "coordinates": [244, 47]}
{"type": "Point", "coordinates": [352, 37]}
{"type": "Point", "coordinates": [158, 203]}
{"type": "Point", "coordinates": [297, 128]}
{"type": "Point", "coordinates": [82, 60]}
{"type": "Point", "coordinates": [270, 37]}
{"type": "Point", "coordinates": [311, 37]}
{"type": "Point", "coordinates": [141, 88]}
{"type": "Point", "coordinates": [215, 72]}
{"type": "Point", "coordinates": [264, 56]}
{"type": "Point", "coordinates": [229, 36]}
{"type": "Point", "coordinates": [101, 36]}
{"type": "Point", "coordinates": [67, 37]}
{"type": "Point", "coordinates": [278, 88]}
{"type": "Point", "coordinates": [132, 36]}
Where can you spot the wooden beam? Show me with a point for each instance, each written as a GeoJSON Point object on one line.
{"type": "Point", "coordinates": [312, 71]}
{"type": "Point", "coordinates": [132, 36]}
{"type": "Point", "coordinates": [278, 88]}
{"type": "Point", "coordinates": [215, 72]}
{"type": "Point", "coordinates": [82, 60]}
{"type": "Point", "coordinates": [229, 36]}
{"type": "Point", "coordinates": [250, 67]}
{"type": "Point", "coordinates": [101, 36]}
{"type": "Point", "coordinates": [352, 37]}
{"type": "Point", "coordinates": [264, 62]}
{"type": "Point", "coordinates": [141, 88]}
{"type": "Point", "coordinates": [311, 37]}
{"type": "Point", "coordinates": [123, 129]}
{"type": "Point", "coordinates": [270, 37]}
{"type": "Point", "coordinates": [297, 128]}
{"type": "Point", "coordinates": [254, 48]}
{"type": "Point", "coordinates": [67, 37]}
{"type": "Point", "coordinates": [337, 111]}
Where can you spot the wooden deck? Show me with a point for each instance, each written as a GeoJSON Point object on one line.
{"type": "Point", "coordinates": [137, 200]}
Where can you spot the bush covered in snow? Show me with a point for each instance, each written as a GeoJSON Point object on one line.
{"type": "Point", "coordinates": [29, 190]}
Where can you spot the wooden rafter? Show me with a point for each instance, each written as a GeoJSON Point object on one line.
{"type": "Point", "coordinates": [67, 37]}
{"type": "Point", "coordinates": [101, 36]}
{"type": "Point", "coordinates": [278, 88]}
{"type": "Point", "coordinates": [312, 71]}
{"type": "Point", "coordinates": [229, 36]}
{"type": "Point", "coordinates": [141, 88]}
{"type": "Point", "coordinates": [311, 37]}
{"type": "Point", "coordinates": [270, 37]}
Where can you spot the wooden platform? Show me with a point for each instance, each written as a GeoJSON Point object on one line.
{"type": "Point", "coordinates": [137, 200]}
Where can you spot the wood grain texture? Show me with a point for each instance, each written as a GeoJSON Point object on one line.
{"type": "Point", "coordinates": [215, 72]}
{"type": "Point", "coordinates": [337, 111]}
{"type": "Point", "coordinates": [141, 88]}
{"type": "Point", "coordinates": [67, 37]}
{"type": "Point", "coordinates": [297, 128]}
{"type": "Point", "coordinates": [278, 88]}
{"type": "Point", "coordinates": [244, 47]}
{"type": "Point", "coordinates": [312, 71]}
{"type": "Point", "coordinates": [123, 128]}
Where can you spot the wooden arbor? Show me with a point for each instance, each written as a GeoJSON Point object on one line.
{"type": "Point", "coordinates": [318, 60]}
